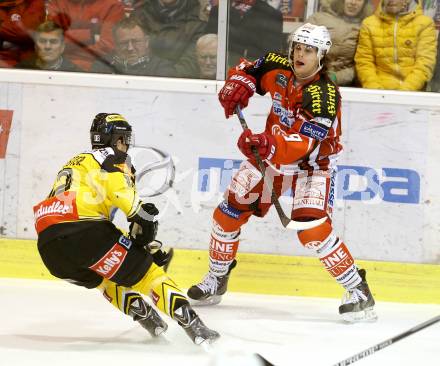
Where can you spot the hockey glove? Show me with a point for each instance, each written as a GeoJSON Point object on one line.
{"type": "Point", "coordinates": [143, 227]}
{"type": "Point", "coordinates": [237, 90]}
{"type": "Point", "coordinates": [161, 257]}
{"type": "Point", "coordinates": [264, 143]}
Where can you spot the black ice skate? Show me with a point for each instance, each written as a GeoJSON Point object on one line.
{"type": "Point", "coordinates": [211, 289]}
{"type": "Point", "coordinates": [144, 313]}
{"type": "Point", "coordinates": [358, 303]}
{"type": "Point", "coordinates": [194, 327]}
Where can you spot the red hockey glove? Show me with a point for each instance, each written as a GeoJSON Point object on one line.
{"type": "Point", "coordinates": [263, 142]}
{"type": "Point", "coordinates": [236, 91]}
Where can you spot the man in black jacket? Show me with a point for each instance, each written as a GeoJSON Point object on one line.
{"type": "Point", "coordinates": [49, 50]}
{"type": "Point", "coordinates": [132, 54]}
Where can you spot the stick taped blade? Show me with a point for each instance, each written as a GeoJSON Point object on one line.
{"type": "Point", "coordinates": [304, 225]}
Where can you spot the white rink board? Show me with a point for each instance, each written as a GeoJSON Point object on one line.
{"type": "Point", "coordinates": [51, 123]}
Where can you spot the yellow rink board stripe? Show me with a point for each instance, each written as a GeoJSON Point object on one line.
{"type": "Point", "coordinates": [263, 274]}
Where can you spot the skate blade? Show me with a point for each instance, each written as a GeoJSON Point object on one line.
{"type": "Point", "coordinates": [160, 330]}
{"type": "Point", "coordinates": [212, 300]}
{"type": "Point", "coordinates": [367, 315]}
{"type": "Point", "coordinates": [206, 343]}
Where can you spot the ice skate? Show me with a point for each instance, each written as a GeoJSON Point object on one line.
{"type": "Point", "coordinates": [146, 316]}
{"type": "Point", "coordinates": [194, 327]}
{"type": "Point", "coordinates": [211, 289]}
{"type": "Point", "coordinates": [358, 303]}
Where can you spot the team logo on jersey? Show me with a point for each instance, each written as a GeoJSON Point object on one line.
{"type": "Point", "coordinates": [313, 131]}
{"type": "Point", "coordinates": [281, 80]}
{"type": "Point", "coordinates": [258, 62]}
{"type": "Point", "coordinates": [277, 96]}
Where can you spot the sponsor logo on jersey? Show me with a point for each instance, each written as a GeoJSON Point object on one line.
{"type": "Point", "coordinates": [274, 57]}
{"type": "Point", "coordinates": [221, 251]}
{"type": "Point", "coordinates": [310, 192]}
{"type": "Point", "coordinates": [331, 99]}
{"type": "Point", "coordinates": [244, 80]}
{"type": "Point", "coordinates": [281, 80]}
{"type": "Point", "coordinates": [338, 261]}
{"type": "Point", "coordinates": [286, 116]}
{"type": "Point", "coordinates": [54, 210]}
{"type": "Point", "coordinates": [229, 210]}
{"type": "Point", "coordinates": [315, 92]}
{"type": "Point", "coordinates": [331, 196]}
{"type": "Point", "coordinates": [110, 263]}
{"type": "Point", "coordinates": [313, 131]}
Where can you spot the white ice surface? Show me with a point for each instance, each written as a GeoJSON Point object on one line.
{"type": "Point", "coordinates": [56, 323]}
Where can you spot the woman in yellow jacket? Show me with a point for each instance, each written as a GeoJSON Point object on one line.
{"type": "Point", "coordinates": [397, 47]}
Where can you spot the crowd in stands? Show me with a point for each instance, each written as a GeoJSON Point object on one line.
{"type": "Point", "coordinates": [377, 44]}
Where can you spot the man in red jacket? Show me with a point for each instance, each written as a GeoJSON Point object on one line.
{"type": "Point", "coordinates": [18, 19]}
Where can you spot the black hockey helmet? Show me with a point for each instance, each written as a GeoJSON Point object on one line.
{"type": "Point", "coordinates": [108, 128]}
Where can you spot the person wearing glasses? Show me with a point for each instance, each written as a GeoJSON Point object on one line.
{"type": "Point", "coordinates": [132, 54]}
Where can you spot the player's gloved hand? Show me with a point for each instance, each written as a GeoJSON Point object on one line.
{"type": "Point", "coordinates": [264, 143]}
{"type": "Point", "coordinates": [237, 90]}
{"type": "Point", "coordinates": [143, 229]}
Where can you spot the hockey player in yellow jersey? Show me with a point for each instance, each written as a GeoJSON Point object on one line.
{"type": "Point", "coordinates": [78, 242]}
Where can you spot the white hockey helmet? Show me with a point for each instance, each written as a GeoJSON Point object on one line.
{"type": "Point", "coordinates": [313, 35]}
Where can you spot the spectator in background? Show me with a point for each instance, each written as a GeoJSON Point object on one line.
{"type": "Point", "coordinates": [396, 48]}
{"type": "Point", "coordinates": [206, 51]}
{"type": "Point", "coordinates": [255, 28]}
{"type": "Point", "coordinates": [132, 54]}
{"type": "Point", "coordinates": [343, 20]}
{"type": "Point", "coordinates": [49, 48]}
{"type": "Point", "coordinates": [18, 19]}
{"type": "Point", "coordinates": [435, 82]}
{"type": "Point", "coordinates": [174, 27]}
{"type": "Point", "coordinates": [88, 27]}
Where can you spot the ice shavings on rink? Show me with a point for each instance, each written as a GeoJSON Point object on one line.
{"type": "Point", "coordinates": [55, 323]}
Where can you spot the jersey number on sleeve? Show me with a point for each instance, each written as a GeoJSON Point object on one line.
{"type": "Point", "coordinates": [62, 183]}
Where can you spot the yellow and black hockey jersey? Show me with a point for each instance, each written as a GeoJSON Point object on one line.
{"type": "Point", "coordinates": [90, 187]}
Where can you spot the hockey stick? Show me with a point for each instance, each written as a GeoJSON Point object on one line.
{"type": "Point", "coordinates": [285, 221]}
{"type": "Point", "coordinates": [388, 342]}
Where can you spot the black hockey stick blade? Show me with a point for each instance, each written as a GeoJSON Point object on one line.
{"type": "Point", "coordinates": [264, 362]}
{"type": "Point", "coordinates": [285, 221]}
{"type": "Point", "coordinates": [388, 342]}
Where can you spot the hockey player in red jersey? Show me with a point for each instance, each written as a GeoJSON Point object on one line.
{"type": "Point", "coordinates": [78, 242]}
{"type": "Point", "coordinates": [300, 145]}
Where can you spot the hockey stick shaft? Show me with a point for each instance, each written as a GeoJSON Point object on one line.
{"type": "Point", "coordinates": [388, 342]}
{"type": "Point", "coordinates": [285, 221]}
